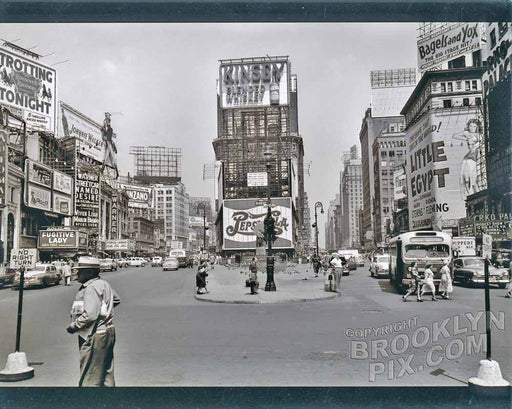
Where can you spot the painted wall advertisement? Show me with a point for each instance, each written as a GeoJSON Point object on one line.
{"type": "Point", "coordinates": [73, 124]}
{"type": "Point", "coordinates": [58, 239]}
{"type": "Point", "coordinates": [138, 196]}
{"type": "Point", "coordinates": [257, 83]}
{"type": "Point", "coordinates": [444, 166]}
{"type": "Point", "coordinates": [30, 87]}
{"type": "Point", "coordinates": [240, 216]}
{"type": "Point", "coordinates": [87, 199]}
{"type": "Point", "coordinates": [448, 43]}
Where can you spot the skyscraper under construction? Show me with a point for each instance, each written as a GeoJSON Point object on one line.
{"type": "Point", "coordinates": [257, 141]}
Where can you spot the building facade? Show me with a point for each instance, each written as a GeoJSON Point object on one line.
{"type": "Point", "coordinates": [352, 200]}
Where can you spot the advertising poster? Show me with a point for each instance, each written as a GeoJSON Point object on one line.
{"type": "Point", "coordinates": [58, 239]}
{"type": "Point", "coordinates": [240, 216]}
{"type": "Point", "coordinates": [73, 124]}
{"type": "Point", "coordinates": [62, 183]}
{"type": "Point", "coordinates": [114, 216]}
{"type": "Point", "coordinates": [62, 204]}
{"type": "Point", "coordinates": [39, 174]}
{"type": "Point", "coordinates": [259, 83]}
{"type": "Point", "coordinates": [448, 43]}
{"type": "Point", "coordinates": [39, 198]}
{"type": "Point", "coordinates": [87, 200]}
{"type": "Point", "coordinates": [139, 196]}
{"type": "Point", "coordinates": [444, 166]}
{"type": "Point", "coordinates": [31, 87]}
{"type": "Point", "coordinates": [4, 138]}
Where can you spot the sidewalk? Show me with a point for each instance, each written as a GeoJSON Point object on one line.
{"type": "Point", "coordinates": [294, 283]}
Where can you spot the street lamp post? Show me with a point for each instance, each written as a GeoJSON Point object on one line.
{"type": "Point", "coordinates": [202, 206]}
{"type": "Point", "coordinates": [270, 285]}
{"type": "Point", "coordinates": [317, 205]}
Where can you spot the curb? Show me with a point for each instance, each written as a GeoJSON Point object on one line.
{"type": "Point", "coordinates": [329, 297]}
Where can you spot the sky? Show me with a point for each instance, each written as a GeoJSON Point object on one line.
{"type": "Point", "coordinates": [159, 81]}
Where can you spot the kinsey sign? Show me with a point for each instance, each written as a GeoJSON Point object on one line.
{"type": "Point", "coordinates": [31, 87]}
{"type": "Point", "coordinates": [58, 239]}
{"type": "Point", "coordinates": [258, 82]}
{"type": "Point", "coordinates": [448, 43]}
{"type": "Point", "coordinates": [242, 216]}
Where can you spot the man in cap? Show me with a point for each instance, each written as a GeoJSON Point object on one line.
{"type": "Point", "coordinates": [92, 317]}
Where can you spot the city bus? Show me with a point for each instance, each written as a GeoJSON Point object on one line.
{"type": "Point", "coordinates": [181, 255]}
{"type": "Point", "coordinates": [421, 246]}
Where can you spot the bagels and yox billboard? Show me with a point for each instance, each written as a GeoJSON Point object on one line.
{"type": "Point", "coordinates": [255, 82]}
{"type": "Point", "coordinates": [241, 216]}
{"type": "Point", "coordinates": [445, 164]}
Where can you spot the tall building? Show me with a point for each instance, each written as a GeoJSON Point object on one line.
{"type": "Point", "coordinates": [388, 151]}
{"type": "Point", "coordinates": [259, 147]}
{"type": "Point", "coordinates": [198, 220]}
{"type": "Point", "coordinates": [171, 203]}
{"type": "Point", "coordinates": [444, 135]}
{"type": "Point", "coordinates": [331, 224]}
{"type": "Point", "coordinates": [351, 199]}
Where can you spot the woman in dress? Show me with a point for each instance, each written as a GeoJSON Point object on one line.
{"type": "Point", "coordinates": [446, 287]}
{"type": "Point", "coordinates": [429, 282]}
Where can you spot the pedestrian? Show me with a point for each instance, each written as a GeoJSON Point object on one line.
{"type": "Point", "coordinates": [201, 277]}
{"type": "Point", "coordinates": [66, 271]}
{"type": "Point", "coordinates": [414, 283]}
{"type": "Point", "coordinates": [253, 276]}
{"type": "Point", "coordinates": [338, 271]}
{"type": "Point", "coordinates": [429, 282]}
{"type": "Point", "coordinates": [92, 317]}
{"type": "Point", "coordinates": [509, 287]}
{"type": "Point", "coordinates": [316, 264]}
{"type": "Point", "coordinates": [446, 286]}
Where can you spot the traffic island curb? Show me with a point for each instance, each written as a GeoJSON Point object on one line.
{"type": "Point", "coordinates": [259, 301]}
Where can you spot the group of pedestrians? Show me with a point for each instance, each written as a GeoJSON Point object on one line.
{"type": "Point", "coordinates": [416, 284]}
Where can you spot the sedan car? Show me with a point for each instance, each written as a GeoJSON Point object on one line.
{"type": "Point", "coordinates": [351, 263]}
{"type": "Point", "coordinates": [470, 271]}
{"type": "Point", "coordinates": [6, 276]}
{"type": "Point", "coordinates": [108, 264]}
{"type": "Point", "coordinates": [123, 262]}
{"type": "Point", "coordinates": [380, 266]}
{"type": "Point", "coordinates": [137, 261]}
{"type": "Point", "coordinates": [42, 275]}
{"type": "Point", "coordinates": [170, 263]}
{"type": "Point", "coordinates": [156, 261]}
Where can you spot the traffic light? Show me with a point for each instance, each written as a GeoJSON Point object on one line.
{"type": "Point", "coordinates": [270, 230]}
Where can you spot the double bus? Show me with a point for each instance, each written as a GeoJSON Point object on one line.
{"type": "Point", "coordinates": [422, 247]}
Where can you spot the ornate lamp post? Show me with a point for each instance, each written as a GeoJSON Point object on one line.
{"type": "Point", "coordinates": [202, 206]}
{"type": "Point", "coordinates": [317, 205]}
{"type": "Point", "coordinates": [269, 229]}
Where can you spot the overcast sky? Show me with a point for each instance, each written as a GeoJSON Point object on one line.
{"type": "Point", "coordinates": [162, 78]}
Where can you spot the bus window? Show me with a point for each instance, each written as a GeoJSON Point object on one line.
{"type": "Point", "coordinates": [427, 250]}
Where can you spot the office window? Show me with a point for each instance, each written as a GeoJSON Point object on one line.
{"type": "Point", "coordinates": [459, 85]}
{"type": "Point", "coordinates": [465, 102]}
{"type": "Point", "coordinates": [450, 87]}
{"type": "Point", "coordinates": [443, 87]}
{"type": "Point", "coordinates": [493, 38]}
{"type": "Point", "coordinates": [468, 85]}
{"type": "Point", "coordinates": [478, 101]}
{"type": "Point", "coordinates": [447, 103]}
{"type": "Point", "coordinates": [474, 84]}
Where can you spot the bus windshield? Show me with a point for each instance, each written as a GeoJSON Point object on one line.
{"type": "Point", "coordinates": [427, 250]}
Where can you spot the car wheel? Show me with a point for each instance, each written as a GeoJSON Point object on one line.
{"type": "Point", "coordinates": [57, 282]}
{"type": "Point", "coordinates": [371, 273]}
{"type": "Point", "coordinates": [44, 283]}
{"type": "Point", "coordinates": [501, 285]}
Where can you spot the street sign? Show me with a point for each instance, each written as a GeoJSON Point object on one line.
{"type": "Point", "coordinates": [257, 179]}
{"type": "Point", "coordinates": [486, 245]}
{"type": "Point", "coordinates": [23, 258]}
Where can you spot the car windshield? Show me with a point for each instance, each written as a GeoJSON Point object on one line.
{"type": "Point", "coordinates": [170, 259]}
{"type": "Point", "coordinates": [382, 259]}
{"type": "Point", "coordinates": [177, 253]}
{"type": "Point", "coordinates": [474, 262]}
{"type": "Point", "coordinates": [427, 250]}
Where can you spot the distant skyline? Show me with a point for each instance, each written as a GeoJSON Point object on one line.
{"type": "Point", "coordinates": [159, 81]}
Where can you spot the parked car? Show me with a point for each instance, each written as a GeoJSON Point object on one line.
{"type": "Point", "coordinates": [6, 276]}
{"type": "Point", "coordinates": [380, 266]}
{"type": "Point", "coordinates": [351, 263]}
{"type": "Point", "coordinates": [42, 275]}
{"type": "Point", "coordinates": [470, 271]}
{"type": "Point", "coordinates": [170, 263]}
{"type": "Point", "coordinates": [156, 261]}
{"type": "Point", "coordinates": [108, 264]}
{"type": "Point", "coordinates": [137, 261]}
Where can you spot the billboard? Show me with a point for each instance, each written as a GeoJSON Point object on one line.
{"type": "Point", "coordinates": [73, 124]}
{"type": "Point", "coordinates": [4, 151]}
{"type": "Point", "coordinates": [39, 174]}
{"type": "Point", "coordinates": [254, 83]}
{"type": "Point", "coordinates": [120, 245]}
{"type": "Point", "coordinates": [62, 183]}
{"type": "Point", "coordinates": [30, 88]}
{"type": "Point", "coordinates": [138, 196]}
{"type": "Point", "coordinates": [39, 198]}
{"type": "Point", "coordinates": [444, 154]}
{"type": "Point", "coordinates": [446, 44]}
{"type": "Point", "coordinates": [62, 204]}
{"type": "Point", "coordinates": [196, 221]}
{"type": "Point", "coordinates": [464, 246]}
{"type": "Point", "coordinates": [87, 199]}
{"type": "Point", "coordinates": [240, 216]}
{"type": "Point", "coordinates": [58, 239]}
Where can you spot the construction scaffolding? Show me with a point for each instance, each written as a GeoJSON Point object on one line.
{"type": "Point", "coordinates": [245, 135]}
{"type": "Point", "coordinates": [157, 164]}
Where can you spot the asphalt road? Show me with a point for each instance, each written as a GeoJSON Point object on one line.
{"type": "Point", "coordinates": [165, 337]}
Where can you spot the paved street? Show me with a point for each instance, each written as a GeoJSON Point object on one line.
{"type": "Point", "coordinates": [165, 337]}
